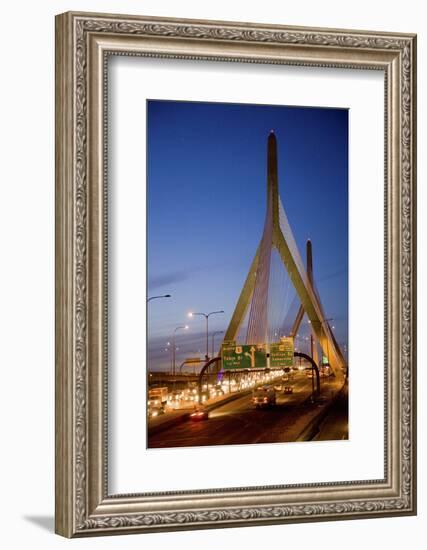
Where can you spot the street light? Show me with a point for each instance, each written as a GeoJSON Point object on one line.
{"type": "Point", "coordinates": [169, 350]}
{"type": "Point", "coordinates": [206, 316]}
{"type": "Point", "coordinates": [185, 327]}
{"type": "Point", "coordinates": [155, 297]}
{"type": "Point", "coordinates": [213, 339]}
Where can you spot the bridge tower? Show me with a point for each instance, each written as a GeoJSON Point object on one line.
{"type": "Point", "coordinates": [277, 234]}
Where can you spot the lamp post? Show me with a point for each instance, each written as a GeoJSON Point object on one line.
{"type": "Point", "coordinates": [185, 327]}
{"type": "Point", "coordinates": [206, 316]}
{"type": "Point", "coordinates": [155, 297]}
{"type": "Point", "coordinates": [213, 339]}
{"type": "Point", "coordinates": [168, 348]}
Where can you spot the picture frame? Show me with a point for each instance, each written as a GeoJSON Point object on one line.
{"type": "Point", "coordinates": [84, 506]}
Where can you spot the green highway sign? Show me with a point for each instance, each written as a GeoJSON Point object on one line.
{"type": "Point", "coordinates": [249, 356]}
{"type": "Point", "coordinates": [282, 353]}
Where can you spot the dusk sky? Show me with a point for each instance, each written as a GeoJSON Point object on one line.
{"type": "Point", "coordinates": [206, 197]}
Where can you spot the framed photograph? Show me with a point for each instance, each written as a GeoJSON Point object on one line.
{"type": "Point", "coordinates": [235, 274]}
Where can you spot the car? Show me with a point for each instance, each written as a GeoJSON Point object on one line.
{"type": "Point", "coordinates": [265, 396]}
{"type": "Point", "coordinates": [155, 411]}
{"type": "Point", "coordinates": [199, 413]}
{"type": "Point", "coordinates": [325, 371]}
{"type": "Point", "coordinates": [176, 395]}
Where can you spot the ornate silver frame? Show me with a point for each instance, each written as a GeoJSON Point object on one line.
{"type": "Point", "coordinates": [83, 505]}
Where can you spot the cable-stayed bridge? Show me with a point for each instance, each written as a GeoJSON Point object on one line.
{"type": "Point", "coordinates": [244, 397]}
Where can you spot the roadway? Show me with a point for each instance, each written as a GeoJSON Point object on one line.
{"type": "Point", "coordinates": [238, 422]}
{"type": "Point", "coordinates": [335, 424]}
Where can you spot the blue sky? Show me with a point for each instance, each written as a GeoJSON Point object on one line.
{"type": "Point", "coordinates": [206, 196]}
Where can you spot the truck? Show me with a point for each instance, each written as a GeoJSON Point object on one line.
{"type": "Point", "coordinates": [265, 396]}
{"type": "Point", "coordinates": [157, 397]}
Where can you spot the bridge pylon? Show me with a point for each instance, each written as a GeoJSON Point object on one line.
{"type": "Point", "coordinates": [277, 234]}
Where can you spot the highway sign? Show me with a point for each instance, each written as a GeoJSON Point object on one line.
{"type": "Point", "coordinates": [249, 356]}
{"type": "Point", "coordinates": [282, 353]}
{"type": "Point", "coordinates": [229, 342]}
